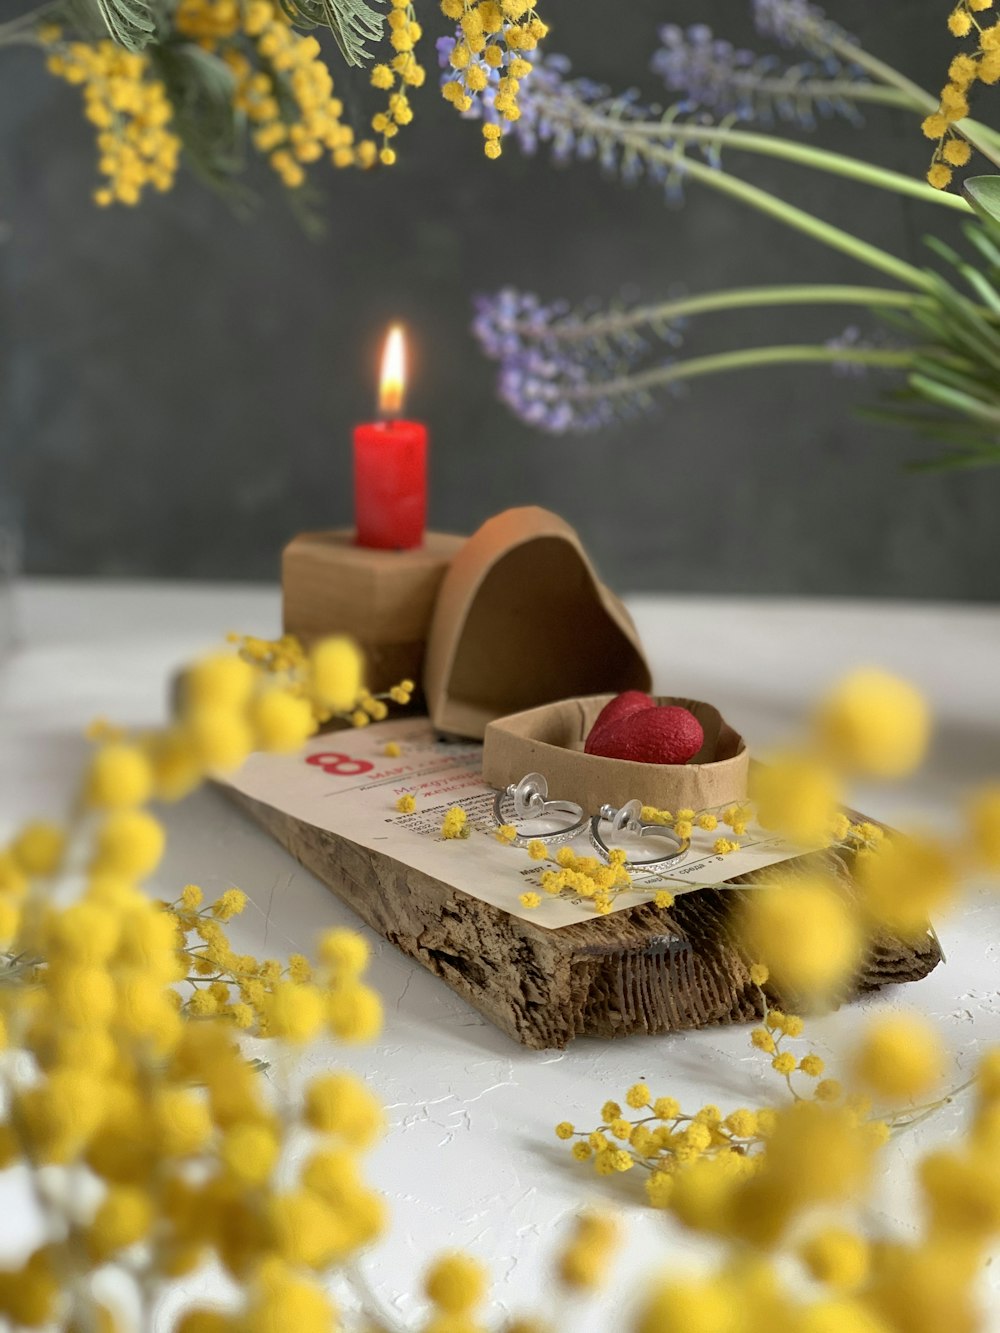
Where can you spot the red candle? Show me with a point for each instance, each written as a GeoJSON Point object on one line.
{"type": "Point", "coordinates": [390, 464]}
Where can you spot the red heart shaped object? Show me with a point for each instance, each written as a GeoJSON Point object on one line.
{"type": "Point", "coordinates": [620, 707]}
{"type": "Point", "coordinates": [667, 735]}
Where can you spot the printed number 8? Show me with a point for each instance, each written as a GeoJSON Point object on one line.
{"type": "Point", "coordinates": [341, 764]}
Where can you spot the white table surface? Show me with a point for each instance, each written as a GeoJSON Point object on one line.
{"type": "Point", "coordinates": [470, 1160]}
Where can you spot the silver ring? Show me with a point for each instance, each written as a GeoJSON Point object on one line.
{"type": "Point", "coordinates": [628, 819]}
{"type": "Point", "coordinates": [530, 800]}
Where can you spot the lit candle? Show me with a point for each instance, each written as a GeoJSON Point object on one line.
{"type": "Point", "coordinates": [390, 463]}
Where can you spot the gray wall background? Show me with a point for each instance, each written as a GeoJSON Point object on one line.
{"type": "Point", "coordinates": [177, 388]}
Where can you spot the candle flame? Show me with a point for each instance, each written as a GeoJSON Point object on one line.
{"type": "Point", "coordinates": [392, 383]}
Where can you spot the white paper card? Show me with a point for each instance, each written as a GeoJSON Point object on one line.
{"type": "Point", "coordinates": [343, 782]}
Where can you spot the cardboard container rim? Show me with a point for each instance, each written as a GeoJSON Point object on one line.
{"type": "Point", "coordinates": [512, 747]}
{"type": "Point", "coordinates": [599, 759]}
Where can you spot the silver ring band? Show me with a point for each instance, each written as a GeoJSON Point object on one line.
{"type": "Point", "coordinates": [529, 798]}
{"type": "Point", "coordinates": [628, 819]}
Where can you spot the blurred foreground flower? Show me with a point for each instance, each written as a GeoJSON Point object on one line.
{"type": "Point", "coordinates": [806, 932]}
{"type": "Point", "coordinates": [155, 1146]}
{"type": "Point", "coordinates": [876, 724]}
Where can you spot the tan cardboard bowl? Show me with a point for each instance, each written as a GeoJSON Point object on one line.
{"type": "Point", "coordinates": [550, 740]}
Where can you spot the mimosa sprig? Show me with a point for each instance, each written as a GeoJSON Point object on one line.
{"type": "Point", "coordinates": [199, 82]}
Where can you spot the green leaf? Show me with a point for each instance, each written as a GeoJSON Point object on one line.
{"type": "Point", "coordinates": [200, 86]}
{"type": "Point", "coordinates": [130, 23]}
{"type": "Point", "coordinates": [982, 286]}
{"type": "Point", "coordinates": [961, 312]}
{"type": "Point", "coordinates": [985, 241]}
{"type": "Point", "coordinates": [960, 375]}
{"type": "Point", "coordinates": [964, 403]}
{"type": "Point", "coordinates": [983, 193]}
{"type": "Point", "coordinates": [941, 248]}
{"type": "Point", "coordinates": [307, 206]}
{"type": "Point", "coordinates": [971, 439]}
{"type": "Point", "coordinates": [352, 22]}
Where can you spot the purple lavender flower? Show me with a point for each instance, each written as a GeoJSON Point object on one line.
{"type": "Point", "coordinates": [553, 361]}
{"type": "Point", "coordinates": [712, 74]}
{"type": "Point", "coordinates": [536, 378]}
{"type": "Point", "coordinates": [562, 369]}
{"type": "Point", "coordinates": [850, 339]}
{"type": "Point", "coordinates": [539, 98]}
{"type": "Point", "coordinates": [507, 321]}
{"type": "Point", "coordinates": [799, 23]}
{"type": "Point", "coordinates": [543, 392]}
{"type": "Point", "coordinates": [706, 70]}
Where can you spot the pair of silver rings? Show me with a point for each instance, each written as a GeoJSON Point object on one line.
{"type": "Point", "coordinates": [529, 800]}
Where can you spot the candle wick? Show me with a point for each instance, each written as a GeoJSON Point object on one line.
{"type": "Point", "coordinates": [391, 408]}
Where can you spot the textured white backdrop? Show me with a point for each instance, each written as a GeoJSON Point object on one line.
{"type": "Point", "coordinates": [470, 1159]}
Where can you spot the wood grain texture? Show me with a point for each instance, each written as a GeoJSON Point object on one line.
{"type": "Point", "coordinates": [638, 970]}
{"type": "Point", "coordinates": [383, 599]}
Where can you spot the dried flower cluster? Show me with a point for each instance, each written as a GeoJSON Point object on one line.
{"type": "Point", "coordinates": [981, 65]}
{"type": "Point", "coordinates": [281, 84]}
{"type": "Point", "coordinates": [129, 108]}
{"type": "Point", "coordinates": [488, 59]}
{"type": "Point", "coordinates": [328, 677]}
{"type": "Point", "coordinates": [199, 78]}
{"type": "Point", "coordinates": [403, 72]}
{"type": "Point", "coordinates": [125, 1089]}
{"type": "Point", "coordinates": [784, 1188]}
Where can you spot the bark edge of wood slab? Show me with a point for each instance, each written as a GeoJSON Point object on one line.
{"type": "Point", "coordinates": [637, 970]}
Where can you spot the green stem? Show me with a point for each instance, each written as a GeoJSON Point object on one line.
{"type": "Point", "coordinates": [798, 218]}
{"type": "Point", "coordinates": [893, 89]}
{"type": "Point", "coordinates": [838, 164]}
{"type": "Point", "coordinates": [22, 29]}
{"type": "Point", "coordinates": [738, 298]}
{"type": "Point", "coordinates": [743, 359]}
{"type": "Point", "coordinates": [985, 131]}
{"type": "Point", "coordinates": [25, 37]}
{"type": "Point", "coordinates": [847, 90]}
{"type": "Point", "coordinates": [879, 70]}
{"type": "Point", "coordinates": [916, 1114]}
{"type": "Point", "coordinates": [926, 102]}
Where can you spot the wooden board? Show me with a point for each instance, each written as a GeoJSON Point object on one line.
{"type": "Point", "coordinates": [637, 970]}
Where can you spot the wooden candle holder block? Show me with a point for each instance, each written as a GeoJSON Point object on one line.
{"type": "Point", "coordinates": [640, 970]}
{"type": "Point", "coordinates": [382, 599]}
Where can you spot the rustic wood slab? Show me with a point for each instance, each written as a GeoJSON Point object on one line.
{"type": "Point", "coordinates": [637, 970]}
